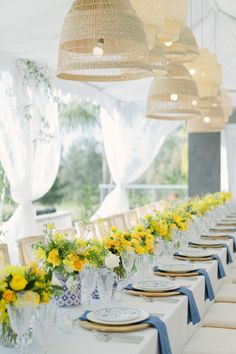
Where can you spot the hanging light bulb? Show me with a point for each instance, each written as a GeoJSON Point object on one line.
{"type": "Point", "coordinates": [206, 119]}
{"type": "Point", "coordinates": [174, 97]}
{"type": "Point", "coordinates": [168, 44]}
{"type": "Point", "coordinates": [192, 71]}
{"type": "Point", "coordinates": [98, 50]}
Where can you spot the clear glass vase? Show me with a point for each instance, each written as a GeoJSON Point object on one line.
{"type": "Point", "coordinates": [8, 338]}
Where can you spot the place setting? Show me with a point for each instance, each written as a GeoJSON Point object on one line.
{"type": "Point", "coordinates": [115, 322]}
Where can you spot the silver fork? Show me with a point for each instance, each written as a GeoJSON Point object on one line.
{"type": "Point", "coordinates": [106, 337]}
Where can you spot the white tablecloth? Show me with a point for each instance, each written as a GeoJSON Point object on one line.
{"type": "Point", "coordinates": [174, 308]}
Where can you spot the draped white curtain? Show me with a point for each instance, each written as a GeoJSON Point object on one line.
{"type": "Point", "coordinates": [230, 134]}
{"type": "Point", "coordinates": [29, 151]}
{"type": "Point", "coordinates": [131, 142]}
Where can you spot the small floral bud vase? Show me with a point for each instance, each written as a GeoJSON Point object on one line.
{"type": "Point", "coordinates": [71, 294]}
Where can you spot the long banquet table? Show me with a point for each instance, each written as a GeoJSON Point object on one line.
{"type": "Point", "coordinates": [175, 317]}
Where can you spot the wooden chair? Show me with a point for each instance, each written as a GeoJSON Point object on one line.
{"type": "Point", "coordinates": [141, 211]}
{"type": "Point", "coordinates": [102, 225]}
{"type": "Point", "coordinates": [26, 250]}
{"type": "Point", "coordinates": [119, 221]}
{"type": "Point", "coordinates": [70, 231]}
{"type": "Point", "coordinates": [131, 218]}
{"type": "Point", "coordinates": [4, 255]}
{"type": "Point", "coordinates": [86, 230]}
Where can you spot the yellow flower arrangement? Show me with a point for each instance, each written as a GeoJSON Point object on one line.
{"type": "Point", "coordinates": [60, 253]}
{"type": "Point", "coordinates": [31, 281]}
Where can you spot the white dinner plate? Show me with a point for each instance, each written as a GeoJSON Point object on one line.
{"type": "Point", "coordinates": [118, 315]}
{"type": "Point", "coordinates": [177, 268]}
{"type": "Point", "coordinates": [195, 253]}
{"type": "Point", "coordinates": [156, 285]}
{"type": "Point", "coordinates": [206, 243]}
{"type": "Point", "coordinates": [224, 228]}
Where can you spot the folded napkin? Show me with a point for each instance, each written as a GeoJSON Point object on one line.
{"type": "Point", "coordinates": [220, 271]}
{"type": "Point", "coordinates": [234, 241]}
{"type": "Point", "coordinates": [156, 322]}
{"type": "Point", "coordinates": [229, 257]}
{"type": "Point", "coordinates": [209, 292]}
{"type": "Point", "coordinates": [193, 313]}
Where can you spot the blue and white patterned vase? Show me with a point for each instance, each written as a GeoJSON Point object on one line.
{"type": "Point", "coordinates": [71, 295]}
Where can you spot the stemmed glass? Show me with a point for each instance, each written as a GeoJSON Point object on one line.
{"type": "Point", "coordinates": [142, 265]}
{"type": "Point", "coordinates": [88, 278]}
{"type": "Point", "coordinates": [20, 315]}
{"type": "Point", "coordinates": [44, 320]}
{"type": "Point", "coordinates": [128, 259]}
{"type": "Point", "coordinates": [105, 282]}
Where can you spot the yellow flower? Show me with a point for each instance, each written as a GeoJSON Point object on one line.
{"type": "Point", "coordinates": [45, 297]}
{"type": "Point", "coordinates": [18, 283]}
{"type": "Point", "coordinates": [3, 286]}
{"type": "Point", "coordinates": [40, 254]}
{"type": "Point", "coordinates": [32, 297]}
{"type": "Point", "coordinates": [50, 227]}
{"type": "Point", "coordinates": [9, 296]}
{"type": "Point", "coordinates": [53, 258]}
{"type": "Point", "coordinates": [58, 237]}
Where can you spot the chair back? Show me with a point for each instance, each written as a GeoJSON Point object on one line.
{"type": "Point", "coordinates": [4, 255]}
{"type": "Point", "coordinates": [119, 221]}
{"type": "Point", "coordinates": [86, 230]}
{"type": "Point", "coordinates": [131, 218]}
{"type": "Point", "coordinates": [26, 248]}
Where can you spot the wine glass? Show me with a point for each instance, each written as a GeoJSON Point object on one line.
{"type": "Point", "coordinates": [44, 319]}
{"type": "Point", "coordinates": [142, 265]}
{"type": "Point", "coordinates": [20, 315]}
{"type": "Point", "coordinates": [128, 259]}
{"type": "Point", "coordinates": [105, 282]}
{"type": "Point", "coordinates": [88, 278]}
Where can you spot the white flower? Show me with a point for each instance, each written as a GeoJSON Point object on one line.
{"type": "Point", "coordinates": [112, 261]}
{"type": "Point", "coordinates": [72, 284]}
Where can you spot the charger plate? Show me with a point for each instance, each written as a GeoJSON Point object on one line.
{"type": "Point", "coordinates": [152, 294]}
{"type": "Point", "coordinates": [226, 223]}
{"type": "Point", "coordinates": [169, 274]}
{"type": "Point", "coordinates": [106, 328]}
{"type": "Point", "coordinates": [197, 259]}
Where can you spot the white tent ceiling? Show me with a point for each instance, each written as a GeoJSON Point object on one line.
{"type": "Point", "coordinates": [31, 29]}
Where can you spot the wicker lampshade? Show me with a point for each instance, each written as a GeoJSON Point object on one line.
{"type": "Point", "coordinates": [173, 97]}
{"type": "Point", "coordinates": [151, 12]}
{"type": "Point", "coordinates": [190, 45]}
{"type": "Point", "coordinates": [176, 12]}
{"type": "Point", "coordinates": [212, 119]}
{"type": "Point", "coordinates": [226, 103]}
{"type": "Point", "coordinates": [175, 51]}
{"type": "Point", "coordinates": [103, 40]}
{"type": "Point", "coordinates": [157, 59]}
{"type": "Point", "coordinates": [207, 73]}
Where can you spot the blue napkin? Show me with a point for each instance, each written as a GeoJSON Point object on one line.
{"type": "Point", "coordinates": [229, 257]}
{"type": "Point", "coordinates": [220, 271]}
{"type": "Point", "coordinates": [234, 241]}
{"type": "Point", "coordinates": [209, 292]}
{"type": "Point", "coordinates": [156, 322]}
{"type": "Point", "coordinates": [193, 313]}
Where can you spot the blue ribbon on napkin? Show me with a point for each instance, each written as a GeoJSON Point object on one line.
{"type": "Point", "coordinates": [209, 292]}
{"type": "Point", "coordinates": [193, 313]}
{"type": "Point", "coordinates": [220, 270]}
{"type": "Point", "coordinates": [156, 322]}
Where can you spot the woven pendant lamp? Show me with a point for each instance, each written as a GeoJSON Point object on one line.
{"type": "Point", "coordinates": [103, 40]}
{"type": "Point", "coordinates": [151, 12]}
{"type": "Point", "coordinates": [176, 13]}
{"type": "Point", "coordinates": [207, 73]}
{"type": "Point", "coordinates": [190, 45]}
{"type": "Point", "coordinates": [175, 51]}
{"type": "Point", "coordinates": [212, 119]}
{"type": "Point", "coordinates": [173, 97]}
{"type": "Point", "coordinates": [157, 59]}
{"type": "Point", "coordinates": [226, 103]}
